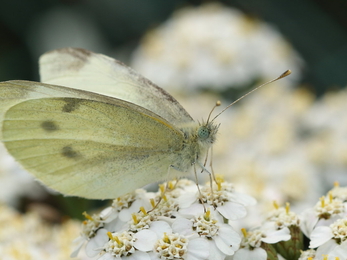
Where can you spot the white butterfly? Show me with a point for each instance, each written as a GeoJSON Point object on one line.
{"type": "Point", "coordinates": [101, 145]}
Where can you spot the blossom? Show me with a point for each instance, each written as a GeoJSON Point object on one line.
{"type": "Point", "coordinates": [201, 231]}
{"type": "Point", "coordinates": [326, 211]}
{"type": "Point", "coordinates": [222, 238]}
{"type": "Point", "coordinates": [230, 204]}
{"type": "Point", "coordinates": [339, 192]}
{"type": "Point", "coordinates": [282, 217]}
{"type": "Point", "coordinates": [92, 230]}
{"type": "Point", "coordinates": [162, 232]}
{"type": "Point", "coordinates": [254, 241]}
{"type": "Point", "coordinates": [307, 253]}
{"type": "Point", "coordinates": [330, 239]}
{"type": "Point", "coordinates": [125, 205]}
{"type": "Point", "coordinates": [179, 246]}
{"type": "Point", "coordinates": [124, 245]}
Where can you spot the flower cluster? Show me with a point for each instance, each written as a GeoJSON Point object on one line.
{"type": "Point", "coordinates": [178, 222]}
{"type": "Point", "coordinates": [326, 224]}
{"type": "Point", "coordinates": [281, 236]}
{"type": "Point", "coordinates": [183, 222]}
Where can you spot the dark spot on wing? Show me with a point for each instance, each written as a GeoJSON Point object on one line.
{"type": "Point", "coordinates": [71, 104]}
{"type": "Point", "coordinates": [49, 126]}
{"type": "Point", "coordinates": [69, 152]}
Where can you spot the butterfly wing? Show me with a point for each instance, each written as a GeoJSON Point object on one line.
{"type": "Point", "coordinates": [82, 69]}
{"type": "Point", "coordinates": [82, 143]}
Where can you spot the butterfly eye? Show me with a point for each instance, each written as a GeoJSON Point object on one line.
{"type": "Point", "coordinates": [203, 132]}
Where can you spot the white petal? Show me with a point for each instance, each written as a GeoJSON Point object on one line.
{"type": "Point", "coordinates": [115, 225]}
{"type": "Point", "coordinates": [108, 214]}
{"type": "Point", "coordinates": [159, 227]}
{"type": "Point", "coordinates": [145, 240]}
{"type": "Point", "coordinates": [99, 240]}
{"type": "Point", "coordinates": [339, 251]}
{"type": "Point", "coordinates": [276, 236]}
{"type": "Point", "coordinates": [320, 235]}
{"type": "Point", "coordinates": [125, 214]}
{"type": "Point", "coordinates": [232, 210]}
{"type": "Point", "coordinates": [187, 199]}
{"type": "Point", "coordinates": [255, 254]}
{"type": "Point", "coordinates": [78, 247]}
{"type": "Point", "coordinates": [183, 226]}
{"type": "Point", "coordinates": [106, 256]}
{"type": "Point", "coordinates": [215, 252]}
{"type": "Point", "coordinates": [243, 199]}
{"type": "Point", "coordinates": [326, 248]}
{"type": "Point", "coordinates": [194, 210]}
{"type": "Point", "coordinates": [138, 255]}
{"type": "Point", "coordinates": [153, 256]}
{"type": "Point", "coordinates": [198, 249]}
{"type": "Point", "coordinates": [223, 247]}
{"type": "Point", "coordinates": [227, 240]}
{"type": "Point", "coordinates": [308, 220]}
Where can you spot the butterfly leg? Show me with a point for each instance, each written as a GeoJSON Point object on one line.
{"type": "Point", "coordinates": [197, 185]}
{"type": "Point", "coordinates": [210, 174]}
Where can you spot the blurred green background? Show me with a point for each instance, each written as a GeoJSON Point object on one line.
{"type": "Point", "coordinates": [316, 29]}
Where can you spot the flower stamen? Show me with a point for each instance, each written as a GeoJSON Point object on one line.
{"type": "Point", "coordinates": [287, 207]}
{"type": "Point", "coordinates": [87, 216]}
{"type": "Point", "coordinates": [275, 204]}
{"type": "Point", "coordinates": [244, 232]}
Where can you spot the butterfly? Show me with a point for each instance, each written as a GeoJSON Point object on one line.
{"type": "Point", "coordinates": [96, 128]}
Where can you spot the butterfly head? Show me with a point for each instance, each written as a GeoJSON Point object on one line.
{"type": "Point", "coordinates": [206, 132]}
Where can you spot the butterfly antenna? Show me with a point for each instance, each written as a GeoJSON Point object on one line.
{"type": "Point", "coordinates": [218, 103]}
{"type": "Point", "coordinates": [284, 74]}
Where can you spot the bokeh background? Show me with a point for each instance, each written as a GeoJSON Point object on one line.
{"type": "Point", "coordinates": [286, 142]}
{"type": "Point", "coordinates": [315, 29]}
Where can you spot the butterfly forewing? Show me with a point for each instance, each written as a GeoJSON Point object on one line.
{"type": "Point", "coordinates": [74, 141]}
{"type": "Point", "coordinates": [82, 69]}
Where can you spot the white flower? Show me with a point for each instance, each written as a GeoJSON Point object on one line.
{"type": "Point", "coordinates": [140, 221]}
{"type": "Point", "coordinates": [94, 245]}
{"type": "Point", "coordinates": [165, 244]}
{"type": "Point", "coordinates": [126, 245]}
{"type": "Point", "coordinates": [307, 253]}
{"type": "Point", "coordinates": [252, 240]}
{"type": "Point", "coordinates": [177, 246]}
{"type": "Point", "coordinates": [231, 205]}
{"type": "Point", "coordinates": [162, 232]}
{"type": "Point", "coordinates": [337, 254]}
{"type": "Point", "coordinates": [92, 228]}
{"type": "Point", "coordinates": [222, 238]}
{"type": "Point", "coordinates": [283, 217]}
{"type": "Point", "coordinates": [330, 239]}
{"type": "Point", "coordinates": [326, 211]}
{"type": "Point", "coordinates": [166, 202]}
{"type": "Point", "coordinates": [339, 192]}
{"type": "Point", "coordinates": [125, 205]}
{"type": "Point", "coordinates": [328, 207]}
